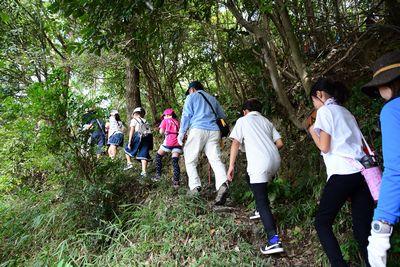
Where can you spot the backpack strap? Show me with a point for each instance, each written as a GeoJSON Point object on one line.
{"type": "Point", "coordinates": [167, 133]}
{"type": "Point", "coordinates": [208, 102]}
{"type": "Point", "coordinates": [101, 128]}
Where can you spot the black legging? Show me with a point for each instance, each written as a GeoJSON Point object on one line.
{"type": "Point", "coordinates": [337, 190]}
{"type": "Point", "coordinates": [262, 205]}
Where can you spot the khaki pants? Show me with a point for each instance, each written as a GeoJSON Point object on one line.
{"type": "Point", "coordinates": [197, 141]}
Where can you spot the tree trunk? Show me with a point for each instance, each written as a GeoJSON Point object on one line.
{"type": "Point", "coordinates": [276, 80]}
{"type": "Point", "coordinates": [132, 90]}
{"type": "Point", "coordinates": [295, 53]}
{"type": "Point", "coordinates": [338, 18]}
{"type": "Point", "coordinates": [315, 33]}
{"type": "Point", "coordinates": [269, 60]}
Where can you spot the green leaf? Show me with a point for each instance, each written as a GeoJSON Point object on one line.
{"type": "Point", "coordinates": [4, 17]}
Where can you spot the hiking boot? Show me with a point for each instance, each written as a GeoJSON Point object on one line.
{"type": "Point", "coordinates": [156, 178]}
{"type": "Point", "coordinates": [194, 192]}
{"type": "Point", "coordinates": [255, 215]}
{"type": "Point", "coordinates": [176, 184]}
{"type": "Point", "coordinates": [221, 194]}
{"type": "Point", "coordinates": [128, 167]}
{"type": "Point", "coordinates": [273, 246]}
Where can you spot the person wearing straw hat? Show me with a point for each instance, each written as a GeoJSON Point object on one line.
{"type": "Point", "coordinates": [386, 83]}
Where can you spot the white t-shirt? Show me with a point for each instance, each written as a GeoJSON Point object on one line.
{"type": "Point", "coordinates": [258, 136]}
{"type": "Point", "coordinates": [346, 141]}
{"type": "Point", "coordinates": [115, 126]}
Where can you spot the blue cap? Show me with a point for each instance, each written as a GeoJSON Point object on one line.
{"type": "Point", "coordinates": [196, 85]}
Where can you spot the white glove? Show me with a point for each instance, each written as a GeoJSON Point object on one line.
{"type": "Point", "coordinates": [180, 138]}
{"type": "Point", "coordinates": [377, 248]}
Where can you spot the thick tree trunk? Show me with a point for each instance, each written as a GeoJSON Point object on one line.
{"type": "Point", "coordinates": [295, 53]}
{"type": "Point", "coordinates": [132, 90]}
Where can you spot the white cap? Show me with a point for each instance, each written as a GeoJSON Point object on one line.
{"type": "Point", "coordinates": [138, 109]}
{"type": "Point", "coordinates": [113, 112]}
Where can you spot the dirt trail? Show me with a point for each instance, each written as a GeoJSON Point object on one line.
{"type": "Point", "coordinates": [297, 252]}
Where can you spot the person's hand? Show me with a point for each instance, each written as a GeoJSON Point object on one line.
{"type": "Point", "coordinates": [310, 120]}
{"type": "Point", "coordinates": [181, 136]}
{"type": "Point", "coordinates": [129, 147]}
{"type": "Point", "coordinates": [310, 128]}
{"type": "Point", "coordinates": [230, 173]}
{"type": "Point", "coordinates": [377, 248]}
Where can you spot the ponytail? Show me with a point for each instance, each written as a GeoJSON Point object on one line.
{"type": "Point", "coordinates": [335, 89]}
{"type": "Point", "coordinates": [117, 117]}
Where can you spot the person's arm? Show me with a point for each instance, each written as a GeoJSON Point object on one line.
{"type": "Point", "coordinates": [322, 129]}
{"type": "Point", "coordinates": [131, 133]}
{"type": "Point", "coordinates": [162, 127]}
{"type": "Point", "coordinates": [187, 115]}
{"type": "Point", "coordinates": [107, 126]}
{"type": "Point", "coordinates": [279, 143]}
{"type": "Point", "coordinates": [323, 141]}
{"type": "Point", "coordinates": [234, 152]}
{"type": "Point", "coordinates": [276, 137]}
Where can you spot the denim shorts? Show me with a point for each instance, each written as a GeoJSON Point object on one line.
{"type": "Point", "coordinates": [117, 139]}
{"type": "Point", "coordinates": [144, 150]}
{"type": "Point", "coordinates": [173, 149]}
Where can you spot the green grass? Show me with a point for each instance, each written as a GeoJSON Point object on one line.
{"type": "Point", "coordinates": [167, 228]}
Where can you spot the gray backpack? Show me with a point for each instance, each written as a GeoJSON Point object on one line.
{"type": "Point", "coordinates": [144, 128]}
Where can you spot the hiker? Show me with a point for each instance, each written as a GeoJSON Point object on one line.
{"type": "Point", "coordinates": [97, 131]}
{"type": "Point", "coordinates": [170, 128]}
{"type": "Point", "coordinates": [336, 134]}
{"type": "Point", "coordinates": [386, 83]}
{"type": "Point", "coordinates": [199, 120]}
{"type": "Point", "coordinates": [98, 135]}
{"type": "Point", "coordinates": [115, 133]}
{"type": "Point", "coordinates": [140, 141]}
{"type": "Point", "coordinates": [258, 137]}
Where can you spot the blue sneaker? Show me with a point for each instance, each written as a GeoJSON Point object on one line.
{"type": "Point", "coordinates": [274, 245]}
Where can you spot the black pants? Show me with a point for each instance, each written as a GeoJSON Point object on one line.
{"type": "Point", "coordinates": [337, 190]}
{"type": "Point", "coordinates": [262, 205]}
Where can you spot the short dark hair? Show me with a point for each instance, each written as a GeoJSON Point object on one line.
{"type": "Point", "coordinates": [252, 104]}
{"type": "Point", "coordinates": [335, 89]}
{"type": "Point", "coordinates": [196, 85]}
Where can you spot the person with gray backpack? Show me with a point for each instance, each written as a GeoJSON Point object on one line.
{"type": "Point", "coordinates": [140, 141]}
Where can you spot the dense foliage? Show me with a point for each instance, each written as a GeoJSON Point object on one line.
{"type": "Point", "coordinates": [60, 205]}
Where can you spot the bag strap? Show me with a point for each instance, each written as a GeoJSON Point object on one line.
{"type": "Point", "coordinates": [208, 102]}
{"type": "Point", "coordinates": [368, 147]}
{"type": "Point", "coordinates": [356, 164]}
{"type": "Point", "coordinates": [101, 128]}
{"type": "Point", "coordinates": [173, 122]}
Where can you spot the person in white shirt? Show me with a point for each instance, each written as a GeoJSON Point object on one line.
{"type": "Point", "coordinates": [115, 133]}
{"type": "Point", "coordinates": [256, 135]}
{"type": "Point", "coordinates": [140, 141]}
{"type": "Point", "coordinates": [336, 133]}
